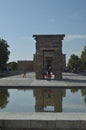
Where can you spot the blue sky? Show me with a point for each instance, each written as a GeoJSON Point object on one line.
{"type": "Point", "coordinates": [20, 19]}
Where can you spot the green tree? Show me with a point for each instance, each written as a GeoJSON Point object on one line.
{"type": "Point", "coordinates": [74, 90]}
{"type": "Point", "coordinates": [74, 62]}
{"type": "Point", "coordinates": [83, 92]}
{"type": "Point", "coordinates": [83, 59]}
{"type": "Point", "coordinates": [4, 53]}
{"type": "Point", "coordinates": [13, 65]}
{"type": "Point", "coordinates": [4, 95]}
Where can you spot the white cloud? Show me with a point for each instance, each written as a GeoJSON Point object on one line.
{"type": "Point", "coordinates": [76, 36]}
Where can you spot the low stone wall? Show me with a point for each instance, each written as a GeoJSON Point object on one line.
{"type": "Point", "coordinates": [43, 121]}
{"type": "Point", "coordinates": [10, 73]}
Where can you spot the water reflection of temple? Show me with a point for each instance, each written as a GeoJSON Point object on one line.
{"type": "Point", "coordinates": [46, 97]}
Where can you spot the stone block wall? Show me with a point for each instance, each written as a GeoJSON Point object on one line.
{"type": "Point", "coordinates": [64, 62]}
{"type": "Point", "coordinates": [42, 121]}
{"type": "Point", "coordinates": [48, 46]}
{"type": "Point", "coordinates": [25, 65]}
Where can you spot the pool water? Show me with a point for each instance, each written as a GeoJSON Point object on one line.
{"type": "Point", "coordinates": [43, 100]}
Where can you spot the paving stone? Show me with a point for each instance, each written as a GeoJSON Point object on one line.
{"type": "Point", "coordinates": [69, 80]}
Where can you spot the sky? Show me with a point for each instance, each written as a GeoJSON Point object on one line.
{"type": "Point", "coordinates": [21, 19]}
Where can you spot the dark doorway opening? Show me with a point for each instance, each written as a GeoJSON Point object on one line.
{"type": "Point", "coordinates": [48, 62]}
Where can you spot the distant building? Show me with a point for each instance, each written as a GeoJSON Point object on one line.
{"type": "Point", "coordinates": [25, 65]}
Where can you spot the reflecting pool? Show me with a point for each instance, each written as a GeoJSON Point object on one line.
{"type": "Point", "coordinates": [43, 100]}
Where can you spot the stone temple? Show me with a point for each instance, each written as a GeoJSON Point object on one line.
{"type": "Point", "coordinates": [48, 52]}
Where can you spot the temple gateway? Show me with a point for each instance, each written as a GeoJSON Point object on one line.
{"type": "Point", "coordinates": [48, 53]}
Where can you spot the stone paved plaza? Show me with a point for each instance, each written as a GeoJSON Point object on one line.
{"type": "Point", "coordinates": [69, 80]}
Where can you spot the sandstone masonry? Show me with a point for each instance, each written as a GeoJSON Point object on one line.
{"type": "Point", "coordinates": [48, 51]}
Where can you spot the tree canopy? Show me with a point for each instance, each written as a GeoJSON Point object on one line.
{"type": "Point", "coordinates": [83, 59]}
{"type": "Point", "coordinates": [13, 65]}
{"type": "Point", "coordinates": [73, 62]}
{"type": "Point", "coordinates": [83, 55]}
{"type": "Point", "coordinates": [4, 53]}
{"type": "Point", "coordinates": [78, 63]}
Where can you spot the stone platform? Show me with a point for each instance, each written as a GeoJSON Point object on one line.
{"type": "Point", "coordinates": [42, 121]}
{"type": "Point", "coordinates": [69, 80]}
